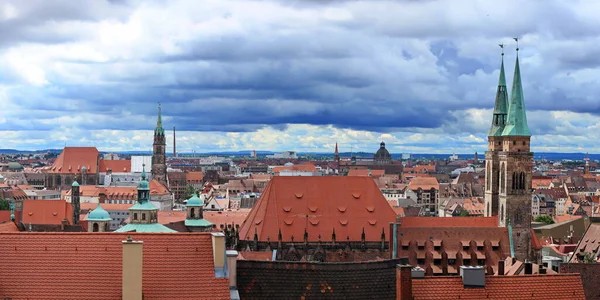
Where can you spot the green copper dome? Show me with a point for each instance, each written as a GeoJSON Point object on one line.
{"type": "Point", "coordinates": [75, 183]}
{"type": "Point", "coordinates": [99, 214]}
{"type": "Point", "coordinates": [143, 185]}
{"type": "Point", "coordinates": [194, 201]}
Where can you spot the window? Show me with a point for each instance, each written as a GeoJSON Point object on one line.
{"type": "Point", "coordinates": [192, 213]}
{"type": "Point", "coordinates": [95, 227]}
{"type": "Point", "coordinates": [143, 217]}
{"type": "Point", "coordinates": [135, 216]}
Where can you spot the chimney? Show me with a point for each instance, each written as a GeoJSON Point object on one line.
{"type": "Point", "coordinates": [541, 269]}
{"type": "Point", "coordinates": [218, 243]}
{"type": "Point", "coordinates": [501, 266]}
{"type": "Point", "coordinates": [75, 203]}
{"type": "Point", "coordinates": [528, 268]}
{"type": "Point", "coordinates": [404, 282]}
{"type": "Point", "coordinates": [174, 144]}
{"type": "Point", "coordinates": [473, 276]}
{"type": "Point", "coordinates": [417, 272]}
{"type": "Point", "coordinates": [132, 270]}
{"type": "Point", "coordinates": [232, 270]}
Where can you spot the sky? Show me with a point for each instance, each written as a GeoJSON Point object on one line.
{"type": "Point", "coordinates": [294, 75]}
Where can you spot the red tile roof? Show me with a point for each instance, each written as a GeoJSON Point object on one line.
{"type": "Point", "coordinates": [560, 286]}
{"type": "Point", "coordinates": [9, 227]}
{"type": "Point", "coordinates": [35, 266]}
{"type": "Point", "coordinates": [158, 188]}
{"type": "Point", "coordinates": [319, 204]}
{"type": "Point", "coordinates": [366, 172]}
{"type": "Point", "coordinates": [226, 217]}
{"type": "Point", "coordinates": [423, 182]}
{"type": "Point", "coordinates": [72, 159]}
{"type": "Point", "coordinates": [449, 222]}
{"type": "Point", "coordinates": [46, 212]}
{"type": "Point", "coordinates": [116, 166]}
{"type": "Point", "coordinates": [192, 177]}
{"type": "Point", "coordinates": [300, 168]}
{"type": "Point", "coordinates": [106, 206]}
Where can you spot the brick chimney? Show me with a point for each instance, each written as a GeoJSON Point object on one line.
{"type": "Point", "coordinates": [404, 282]}
{"type": "Point", "coordinates": [528, 268]}
{"type": "Point", "coordinates": [232, 273]}
{"type": "Point", "coordinates": [132, 270]}
{"type": "Point", "coordinates": [218, 243]}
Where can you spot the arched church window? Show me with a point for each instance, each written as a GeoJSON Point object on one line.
{"type": "Point", "coordinates": [502, 213]}
{"type": "Point", "coordinates": [502, 183]}
{"type": "Point", "coordinates": [522, 180]}
{"type": "Point", "coordinates": [514, 181]}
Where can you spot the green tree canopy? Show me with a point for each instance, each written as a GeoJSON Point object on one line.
{"type": "Point", "coordinates": [544, 219]}
{"type": "Point", "coordinates": [189, 192]}
{"type": "Point", "coordinates": [464, 213]}
{"type": "Point", "coordinates": [4, 204]}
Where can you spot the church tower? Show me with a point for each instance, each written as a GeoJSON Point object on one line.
{"type": "Point", "coordinates": [492, 163]}
{"type": "Point", "coordinates": [159, 163]}
{"type": "Point", "coordinates": [516, 164]}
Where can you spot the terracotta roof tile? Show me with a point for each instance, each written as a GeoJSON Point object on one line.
{"type": "Point", "coordinates": [194, 176]}
{"type": "Point", "coordinates": [288, 203]}
{"type": "Point", "coordinates": [423, 182]}
{"type": "Point", "coordinates": [116, 166]}
{"type": "Point", "coordinates": [449, 222]}
{"type": "Point", "coordinates": [9, 227]}
{"type": "Point", "coordinates": [227, 217]}
{"type": "Point", "coordinates": [300, 168]}
{"type": "Point", "coordinates": [35, 265]}
{"type": "Point", "coordinates": [562, 286]}
{"type": "Point", "coordinates": [46, 212]}
{"type": "Point", "coordinates": [73, 159]}
{"type": "Point", "coordinates": [158, 188]}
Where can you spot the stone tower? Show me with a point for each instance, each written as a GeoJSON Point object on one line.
{"type": "Point", "coordinates": [159, 162]}
{"type": "Point", "coordinates": [516, 164]}
{"type": "Point", "coordinates": [492, 163]}
{"type": "Point", "coordinates": [336, 156]}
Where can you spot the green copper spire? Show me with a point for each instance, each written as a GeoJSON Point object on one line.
{"type": "Point", "coordinates": [159, 129]}
{"type": "Point", "coordinates": [516, 123]}
{"type": "Point", "coordinates": [500, 107]}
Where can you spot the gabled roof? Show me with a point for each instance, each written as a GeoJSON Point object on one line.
{"type": "Point", "coordinates": [46, 212]}
{"type": "Point", "coordinates": [559, 286]}
{"type": "Point", "coordinates": [319, 204]}
{"type": "Point", "coordinates": [73, 159]}
{"type": "Point", "coordinates": [157, 188]}
{"type": "Point", "coordinates": [297, 168]}
{"type": "Point", "coordinates": [589, 243]}
{"type": "Point", "coordinates": [424, 183]}
{"type": "Point", "coordinates": [116, 166]}
{"type": "Point", "coordinates": [36, 266]}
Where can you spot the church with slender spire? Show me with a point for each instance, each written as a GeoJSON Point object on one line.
{"type": "Point", "coordinates": [159, 159]}
{"type": "Point", "coordinates": [509, 165]}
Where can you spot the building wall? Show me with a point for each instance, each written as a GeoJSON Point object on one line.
{"type": "Point", "coordinates": [291, 280]}
{"type": "Point", "coordinates": [590, 276]}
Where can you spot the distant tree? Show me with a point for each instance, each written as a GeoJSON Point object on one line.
{"type": "Point", "coordinates": [189, 192]}
{"type": "Point", "coordinates": [544, 219]}
{"type": "Point", "coordinates": [4, 204]}
{"type": "Point", "coordinates": [589, 258]}
{"type": "Point", "coordinates": [464, 213]}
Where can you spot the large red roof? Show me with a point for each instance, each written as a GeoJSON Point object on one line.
{"type": "Point", "coordinates": [46, 212]}
{"type": "Point", "coordinates": [449, 222]}
{"type": "Point", "coordinates": [116, 166]}
{"type": "Point", "coordinates": [560, 286]}
{"type": "Point", "coordinates": [73, 159]}
{"type": "Point", "coordinates": [319, 204]}
{"type": "Point", "coordinates": [88, 266]}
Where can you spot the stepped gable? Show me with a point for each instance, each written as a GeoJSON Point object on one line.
{"type": "Point", "coordinates": [319, 205]}
{"type": "Point", "coordinates": [88, 266]}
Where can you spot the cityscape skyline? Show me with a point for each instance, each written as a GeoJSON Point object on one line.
{"type": "Point", "coordinates": [241, 76]}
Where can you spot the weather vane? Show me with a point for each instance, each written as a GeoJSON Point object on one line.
{"type": "Point", "coordinates": [502, 46]}
{"type": "Point", "coordinates": [517, 40]}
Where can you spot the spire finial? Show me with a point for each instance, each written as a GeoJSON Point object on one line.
{"type": "Point", "coordinates": [502, 46]}
{"type": "Point", "coordinates": [143, 171]}
{"type": "Point", "coordinates": [517, 40]}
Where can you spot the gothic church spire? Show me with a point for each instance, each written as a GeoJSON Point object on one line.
{"type": "Point", "coordinates": [500, 107]}
{"type": "Point", "coordinates": [516, 123]}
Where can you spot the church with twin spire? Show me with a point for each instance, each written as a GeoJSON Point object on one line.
{"type": "Point", "coordinates": [509, 165]}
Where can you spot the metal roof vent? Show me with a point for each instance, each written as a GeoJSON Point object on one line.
{"type": "Point", "coordinates": [473, 276]}
{"type": "Point", "coordinates": [417, 272]}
